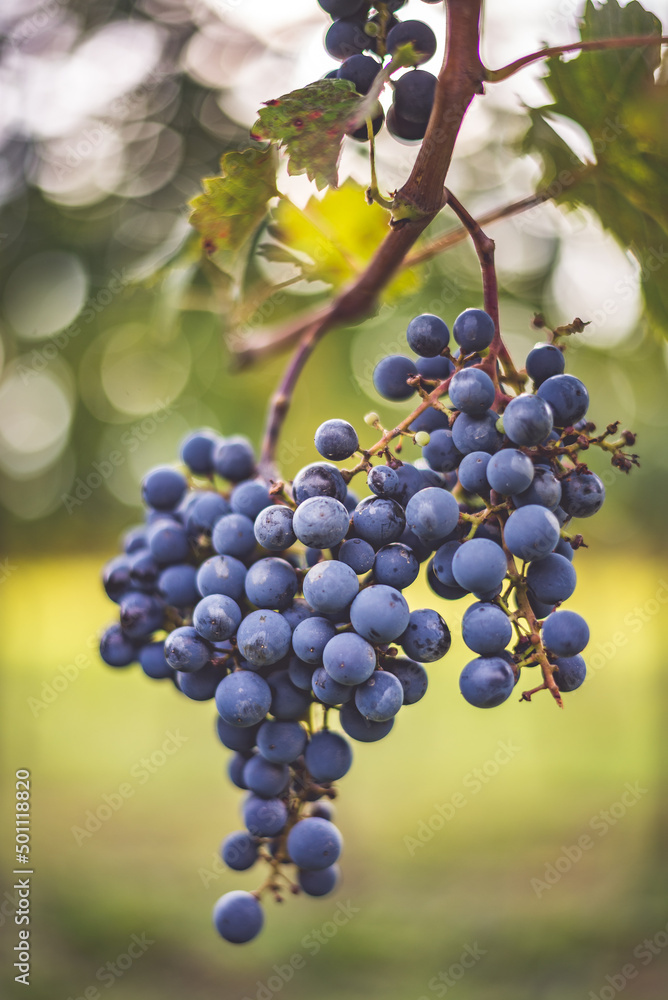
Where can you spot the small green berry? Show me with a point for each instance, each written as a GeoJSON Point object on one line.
{"type": "Point", "coordinates": [422, 438]}
{"type": "Point", "coordinates": [371, 418]}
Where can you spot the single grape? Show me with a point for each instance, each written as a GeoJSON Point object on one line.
{"type": "Point", "coordinates": [239, 851]}
{"type": "Point", "coordinates": [281, 742]}
{"type": "Point", "coordinates": [243, 698]}
{"type": "Point", "coordinates": [454, 593]}
{"type": "Point", "coordinates": [527, 420]}
{"type": "Point", "coordinates": [361, 71]}
{"type": "Point", "coordinates": [564, 548]}
{"type": "Point", "coordinates": [442, 562]}
{"type": "Point", "coordinates": [144, 570]}
{"type": "Point", "coordinates": [472, 473]}
{"type": "Point", "coordinates": [116, 648]}
{"type": "Point", "coordinates": [390, 375]}
{"type": "Point", "coordinates": [416, 33]}
{"type": "Point", "coordinates": [412, 677]}
{"type": "Point", "coordinates": [427, 334]}
{"type": "Point", "coordinates": [487, 681]}
{"type": "Point", "coordinates": [234, 459]}
{"type": "Point", "coordinates": [531, 532]}
{"type": "Point", "coordinates": [186, 650]}
{"type": "Point", "coordinates": [411, 481]}
{"type": "Point", "coordinates": [329, 691]}
{"type": "Point", "coordinates": [273, 528]}
{"type": "Point", "coordinates": [328, 756]}
{"type": "Point", "coordinates": [357, 554]}
{"type": "Point", "coordinates": [202, 685]}
{"type": "Point", "coordinates": [358, 728]}
{"type": "Point", "coordinates": [471, 433]}
{"type": "Point", "coordinates": [382, 480]}
{"type": "Point", "coordinates": [543, 362]}
{"type": "Point", "coordinates": [379, 614]}
{"type": "Point", "coordinates": [288, 702]}
{"type": "Point", "coordinates": [346, 38]}
{"type": "Point", "coordinates": [263, 638]}
{"type": "Point", "coordinates": [116, 577]}
{"type": "Point", "coordinates": [222, 575]}
{"type": "Point", "coordinates": [552, 579]}
{"type": "Point", "coordinates": [264, 778]}
{"type": "Point", "coordinates": [271, 583]}
{"type": "Point", "coordinates": [472, 391]}
{"type": "Point", "coordinates": [135, 539]}
{"type": "Point", "coordinates": [238, 917]}
{"type": "Point", "coordinates": [570, 673]}
{"type": "Point", "coordinates": [177, 585]}
{"type": "Point", "coordinates": [380, 697]}
{"type": "Point", "coordinates": [510, 471]}
{"type": "Point", "coordinates": [379, 521]}
{"type": "Point", "coordinates": [567, 397]}
{"type": "Point", "coordinates": [486, 629]}
{"type": "Point", "coordinates": [349, 659]}
{"type": "Point", "coordinates": [321, 522]}
{"type": "Point", "coordinates": [168, 542]}
{"type": "Point", "coordinates": [234, 738]}
{"type": "Point", "coordinates": [414, 98]}
{"type": "Point", "coordinates": [314, 843]}
{"type": "Point", "coordinates": [152, 661]}
{"type": "Point", "coordinates": [432, 513]}
{"type": "Point", "coordinates": [565, 633]}
{"type": "Point", "coordinates": [318, 883]}
{"type": "Point", "coordinates": [310, 638]}
{"type": "Point", "coordinates": [396, 565]}
{"type": "Point", "coordinates": [324, 809]}
{"type": "Point", "coordinates": [545, 490]}
{"type": "Point", "coordinates": [441, 453]}
{"type": "Point", "coordinates": [197, 451]}
{"type": "Point", "coordinates": [203, 513]}
{"type": "Point", "coordinates": [297, 612]}
{"type": "Point", "coordinates": [427, 637]}
{"type": "Point", "coordinates": [140, 614]}
{"type": "Point", "coordinates": [217, 617]}
{"type": "Point", "coordinates": [264, 817]}
{"type": "Point", "coordinates": [434, 368]}
{"type": "Point", "coordinates": [300, 673]}
{"type": "Point", "coordinates": [478, 565]}
{"type": "Point", "coordinates": [473, 330]}
{"type": "Point", "coordinates": [342, 8]}
{"type": "Point", "coordinates": [582, 494]}
{"type": "Point", "coordinates": [330, 586]}
{"type": "Point", "coordinates": [163, 488]}
{"type": "Point", "coordinates": [319, 480]}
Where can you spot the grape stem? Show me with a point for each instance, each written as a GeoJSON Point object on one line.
{"type": "Point", "coordinates": [597, 44]}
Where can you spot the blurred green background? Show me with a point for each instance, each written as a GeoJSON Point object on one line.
{"type": "Point", "coordinates": [114, 112]}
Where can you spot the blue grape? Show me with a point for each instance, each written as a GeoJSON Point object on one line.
{"type": "Point", "coordinates": [427, 334]}
{"type": "Point", "coordinates": [427, 637]}
{"type": "Point", "coordinates": [310, 638]}
{"type": "Point", "coordinates": [186, 650]}
{"type": "Point", "coordinates": [543, 362]}
{"type": "Point", "coordinates": [510, 471]}
{"type": "Point", "coordinates": [312, 556]}
{"type": "Point", "coordinates": [116, 648]}
{"type": "Point", "coordinates": [432, 513]}
{"type": "Point", "coordinates": [134, 539]}
{"type": "Point", "coordinates": [430, 420]}
{"type": "Point", "coordinates": [345, 38]}
{"type": "Point", "coordinates": [527, 420]}
{"type": "Point", "coordinates": [281, 742]}
{"type": "Point", "coordinates": [545, 490]}
{"type": "Point", "coordinates": [177, 586]}
{"type": "Point", "coordinates": [564, 548]}
{"type": "Point", "coordinates": [233, 535]}
{"type": "Point", "coordinates": [321, 522]}
{"type": "Point", "coordinates": [357, 554]}
{"type": "Point", "coordinates": [567, 397]}
{"type": "Point", "coordinates": [438, 369]}
{"type": "Point", "coordinates": [300, 673]}
{"type": "Point", "coordinates": [168, 541]}
{"type": "Point", "coordinates": [202, 685]}
{"type": "Point", "coordinates": [565, 633]}
{"type": "Point", "coordinates": [540, 610]}
{"type": "Point", "coordinates": [249, 498]}
{"type": "Point", "coordinates": [203, 513]}
{"type": "Point", "coordinates": [414, 98]}
{"type": "Point", "coordinates": [264, 778]}
{"type": "Point", "coordinates": [570, 673]}
{"type": "Point", "coordinates": [319, 480]}
{"type": "Point", "coordinates": [361, 71]}
{"type": "Point", "coordinates": [411, 675]}
{"type": "Point", "coordinates": [264, 817]}
{"type": "Point", "coordinates": [473, 330]}
{"type": "Point", "coordinates": [486, 629]}
{"type": "Point", "coordinates": [411, 482]}
{"type": "Point", "coordinates": [243, 698]}
{"type": "Point", "coordinates": [319, 883]}
{"type": "Point", "coordinates": [380, 697]}
{"type": "Point", "coordinates": [341, 8]}
{"type": "Point", "coordinates": [263, 638]}
{"type": "Point", "coordinates": [234, 738]}
{"type": "Point", "coordinates": [472, 391]}
{"type": "Point", "coordinates": [140, 614]}
{"type": "Point", "coordinates": [418, 34]}
{"type": "Point", "coordinates": [329, 691]}
{"type": "Point", "coordinates": [235, 770]}
{"type": "Point", "coordinates": [363, 730]}
{"type": "Point", "coordinates": [379, 613]}
{"type": "Point", "coordinates": [551, 579]}
{"type": "Point", "coordinates": [287, 701]}
{"type": "Point", "coordinates": [531, 532]}
{"type": "Point", "coordinates": [323, 809]}
{"type": "Point", "coordinates": [163, 488]}
{"type": "Point", "coordinates": [238, 917]}
{"type": "Point", "coordinates": [116, 577]}
{"type": "Point", "coordinates": [420, 549]}
{"type": "Point", "coordinates": [396, 566]}
{"type": "Point", "coordinates": [478, 565]}
{"type": "Point", "coordinates": [222, 575]}
{"type": "Point", "coordinates": [337, 439]}
{"type": "Point", "coordinates": [217, 617]}
{"type": "Point", "coordinates": [273, 528]}
{"type": "Point", "coordinates": [271, 583]}
{"type": "Point", "coordinates": [582, 494]}
{"type": "Point", "coordinates": [328, 756]}
{"type": "Point", "coordinates": [314, 843]}
{"type": "Point", "coordinates": [379, 521]}
{"type": "Point", "coordinates": [297, 612]}
{"type": "Point", "coordinates": [476, 433]}
{"type": "Point", "coordinates": [472, 472]}
{"type": "Point", "coordinates": [144, 570]}
{"type": "Point", "coordinates": [390, 377]}
{"type": "Point", "coordinates": [233, 459]}
{"type": "Point", "coordinates": [442, 562]}
{"type": "Point", "coordinates": [197, 451]}
{"type": "Point", "coordinates": [403, 130]}
{"type": "Point", "coordinates": [448, 593]}
{"type": "Point", "coordinates": [382, 480]}
{"type": "Point", "coordinates": [239, 851]}
{"type": "Point", "coordinates": [441, 452]}
{"type": "Point", "coordinates": [487, 681]}
{"type": "Point", "coordinates": [349, 659]}
{"type": "Point", "coordinates": [152, 661]}
{"type": "Point", "coordinates": [330, 586]}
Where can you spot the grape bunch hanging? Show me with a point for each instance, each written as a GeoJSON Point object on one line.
{"type": "Point", "coordinates": [284, 604]}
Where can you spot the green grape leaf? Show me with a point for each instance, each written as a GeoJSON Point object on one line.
{"type": "Point", "coordinates": [613, 95]}
{"type": "Point", "coordinates": [310, 123]}
{"type": "Point", "coordinates": [233, 206]}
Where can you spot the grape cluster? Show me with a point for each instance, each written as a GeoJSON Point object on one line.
{"type": "Point", "coordinates": [284, 603]}
{"type": "Point", "coordinates": [361, 35]}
